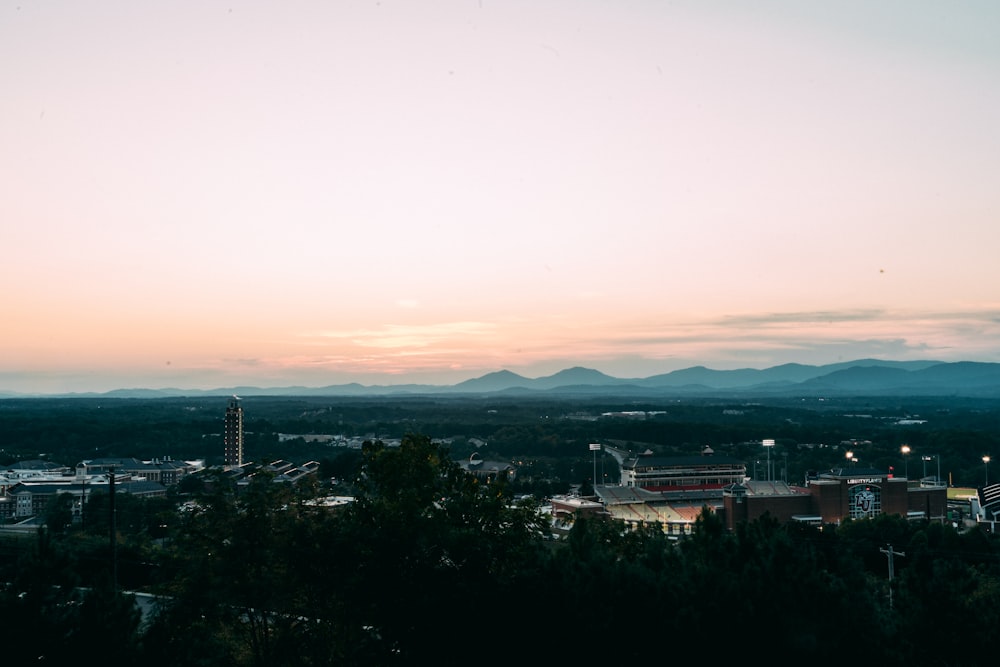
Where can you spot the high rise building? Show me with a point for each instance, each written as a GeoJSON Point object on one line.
{"type": "Point", "coordinates": [233, 436]}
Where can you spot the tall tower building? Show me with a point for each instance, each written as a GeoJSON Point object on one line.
{"type": "Point", "coordinates": [233, 436]}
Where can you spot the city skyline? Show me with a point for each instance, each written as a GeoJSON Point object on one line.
{"type": "Point", "coordinates": [204, 194]}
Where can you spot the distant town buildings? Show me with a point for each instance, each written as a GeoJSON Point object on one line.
{"type": "Point", "coordinates": [233, 434]}
{"type": "Point", "coordinates": [26, 491]}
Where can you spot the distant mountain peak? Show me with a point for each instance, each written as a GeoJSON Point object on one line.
{"type": "Point", "coordinates": [495, 381]}
{"type": "Point", "coordinates": [579, 371]}
{"type": "Point", "coordinates": [577, 375]}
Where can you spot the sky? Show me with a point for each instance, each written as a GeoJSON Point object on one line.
{"type": "Point", "coordinates": [201, 194]}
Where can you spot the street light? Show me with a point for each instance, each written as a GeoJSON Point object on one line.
{"type": "Point", "coordinates": [986, 462]}
{"type": "Point", "coordinates": [849, 455]}
{"type": "Point", "coordinates": [906, 460]}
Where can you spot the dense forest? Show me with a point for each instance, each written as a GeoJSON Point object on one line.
{"type": "Point", "coordinates": [547, 437]}
{"type": "Point", "coordinates": [429, 565]}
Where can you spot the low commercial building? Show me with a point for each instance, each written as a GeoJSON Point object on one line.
{"type": "Point", "coordinates": [30, 498]}
{"type": "Point", "coordinates": [164, 470]}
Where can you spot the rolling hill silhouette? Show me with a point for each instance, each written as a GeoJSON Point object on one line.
{"type": "Point", "coordinates": [861, 377]}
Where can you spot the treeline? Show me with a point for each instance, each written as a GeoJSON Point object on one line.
{"type": "Point", "coordinates": [553, 434]}
{"type": "Point", "coordinates": [431, 566]}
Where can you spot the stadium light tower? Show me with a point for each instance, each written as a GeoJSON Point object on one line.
{"type": "Point", "coordinates": [595, 447]}
{"type": "Point", "coordinates": [986, 462]}
{"type": "Point", "coordinates": [906, 460]}
{"type": "Point", "coordinates": [768, 444]}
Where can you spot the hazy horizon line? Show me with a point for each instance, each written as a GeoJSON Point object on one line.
{"type": "Point", "coordinates": [414, 379]}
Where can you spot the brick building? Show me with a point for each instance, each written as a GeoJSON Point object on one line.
{"type": "Point", "coordinates": [834, 496]}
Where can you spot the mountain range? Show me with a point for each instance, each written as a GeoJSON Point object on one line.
{"type": "Point", "coordinates": [862, 377]}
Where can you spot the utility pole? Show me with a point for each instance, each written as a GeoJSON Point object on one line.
{"type": "Point", "coordinates": [890, 553]}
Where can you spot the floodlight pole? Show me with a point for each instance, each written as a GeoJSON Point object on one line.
{"type": "Point", "coordinates": [83, 500]}
{"type": "Point", "coordinates": [594, 446]}
{"type": "Point", "coordinates": [113, 529]}
{"type": "Point", "coordinates": [768, 444]}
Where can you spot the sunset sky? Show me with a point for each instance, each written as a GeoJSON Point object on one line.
{"type": "Point", "coordinates": [203, 194]}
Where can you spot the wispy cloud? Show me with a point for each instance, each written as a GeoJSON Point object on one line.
{"type": "Point", "coordinates": [767, 339]}
{"type": "Point", "coordinates": [408, 336]}
{"type": "Point", "coordinates": [800, 318]}
{"type": "Point", "coordinates": [245, 362]}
